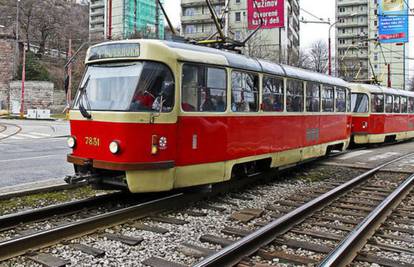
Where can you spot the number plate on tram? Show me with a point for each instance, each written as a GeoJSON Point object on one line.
{"type": "Point", "coordinates": [92, 141]}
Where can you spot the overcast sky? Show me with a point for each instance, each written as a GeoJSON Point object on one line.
{"type": "Point", "coordinates": [309, 33]}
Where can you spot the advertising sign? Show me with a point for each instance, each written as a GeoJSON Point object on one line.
{"type": "Point", "coordinates": [271, 11]}
{"type": "Point", "coordinates": [392, 21]}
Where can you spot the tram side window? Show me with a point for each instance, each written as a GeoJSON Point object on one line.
{"type": "Point", "coordinates": [273, 90]}
{"type": "Point", "coordinates": [340, 99]}
{"type": "Point", "coordinates": [244, 92]}
{"type": "Point", "coordinates": [404, 106]}
{"type": "Point", "coordinates": [411, 105]}
{"type": "Point", "coordinates": [313, 97]}
{"type": "Point", "coordinates": [396, 107]}
{"type": "Point", "coordinates": [327, 99]}
{"type": "Point", "coordinates": [348, 100]}
{"type": "Point", "coordinates": [294, 96]}
{"type": "Point", "coordinates": [155, 90]}
{"type": "Point", "coordinates": [203, 89]}
{"type": "Point", "coordinates": [377, 103]}
{"type": "Point", "coordinates": [359, 103]}
{"type": "Point", "coordinates": [388, 103]}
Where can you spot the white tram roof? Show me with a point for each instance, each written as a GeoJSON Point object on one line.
{"type": "Point", "coordinates": [372, 88]}
{"type": "Point", "coordinates": [252, 64]}
{"type": "Point", "coordinates": [196, 53]}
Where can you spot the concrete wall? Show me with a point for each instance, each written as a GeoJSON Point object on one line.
{"type": "Point", "coordinates": [37, 94]}
{"type": "Point", "coordinates": [7, 48]}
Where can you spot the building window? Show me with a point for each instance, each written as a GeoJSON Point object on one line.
{"type": "Point", "coordinates": [237, 1]}
{"type": "Point", "coordinates": [190, 29]}
{"type": "Point", "coordinates": [189, 11]}
{"type": "Point", "coordinates": [237, 35]}
{"type": "Point", "coordinates": [238, 16]}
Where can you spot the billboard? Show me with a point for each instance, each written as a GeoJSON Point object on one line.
{"type": "Point", "coordinates": [392, 21]}
{"type": "Point", "coordinates": [271, 11]}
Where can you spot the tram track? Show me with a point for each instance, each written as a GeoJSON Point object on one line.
{"type": "Point", "coordinates": [4, 131]}
{"type": "Point", "coordinates": [335, 250]}
{"type": "Point", "coordinates": [152, 210]}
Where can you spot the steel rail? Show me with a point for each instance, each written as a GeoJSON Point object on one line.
{"type": "Point", "coordinates": [20, 245]}
{"type": "Point", "coordinates": [19, 129]}
{"type": "Point", "coordinates": [10, 220]}
{"type": "Point", "coordinates": [3, 128]}
{"type": "Point", "coordinates": [347, 249]}
{"type": "Point", "coordinates": [251, 243]}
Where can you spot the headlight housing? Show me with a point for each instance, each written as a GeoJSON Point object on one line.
{"type": "Point", "coordinates": [71, 142]}
{"type": "Point", "coordinates": [114, 147]}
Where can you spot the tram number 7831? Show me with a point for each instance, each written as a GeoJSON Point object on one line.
{"type": "Point", "coordinates": [92, 141]}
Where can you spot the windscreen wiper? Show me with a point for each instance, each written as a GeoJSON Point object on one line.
{"type": "Point", "coordinates": [83, 94]}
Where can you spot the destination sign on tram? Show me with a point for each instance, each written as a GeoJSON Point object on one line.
{"type": "Point", "coordinates": [114, 51]}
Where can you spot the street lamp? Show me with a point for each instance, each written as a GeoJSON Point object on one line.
{"type": "Point", "coordinates": [330, 44]}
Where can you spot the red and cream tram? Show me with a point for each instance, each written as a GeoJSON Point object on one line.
{"type": "Point", "coordinates": [153, 115]}
{"type": "Point", "coordinates": [381, 114]}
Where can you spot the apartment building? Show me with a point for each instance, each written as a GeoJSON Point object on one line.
{"type": "Point", "coordinates": [97, 20]}
{"type": "Point", "coordinates": [275, 44]}
{"type": "Point", "coordinates": [359, 57]}
{"type": "Point", "coordinates": [129, 19]}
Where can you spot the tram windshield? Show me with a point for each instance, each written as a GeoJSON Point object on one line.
{"type": "Point", "coordinates": [359, 103]}
{"type": "Point", "coordinates": [138, 86]}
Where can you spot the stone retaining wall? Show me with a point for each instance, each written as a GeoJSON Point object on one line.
{"type": "Point", "coordinates": [37, 94]}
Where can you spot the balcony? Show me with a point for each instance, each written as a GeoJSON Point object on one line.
{"type": "Point", "coordinates": [194, 3]}
{"type": "Point", "coordinates": [97, 4]}
{"type": "Point", "coordinates": [352, 14]}
{"type": "Point", "coordinates": [196, 19]}
{"type": "Point", "coordinates": [97, 20]}
{"type": "Point", "coordinates": [197, 35]}
{"type": "Point", "coordinates": [97, 29]}
{"type": "Point", "coordinates": [352, 24]}
{"type": "Point", "coordinates": [99, 12]}
{"type": "Point", "coordinates": [345, 3]}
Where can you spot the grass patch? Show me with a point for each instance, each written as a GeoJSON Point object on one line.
{"type": "Point", "coordinates": [44, 199]}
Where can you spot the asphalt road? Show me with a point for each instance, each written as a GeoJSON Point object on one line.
{"type": "Point", "coordinates": [38, 152]}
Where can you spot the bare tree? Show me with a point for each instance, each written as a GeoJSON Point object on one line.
{"type": "Point", "coordinates": [318, 57]}
{"type": "Point", "coordinates": [46, 22]}
{"type": "Point", "coordinates": [27, 12]}
{"type": "Point", "coordinates": [301, 61]}
{"type": "Point", "coordinates": [411, 87]}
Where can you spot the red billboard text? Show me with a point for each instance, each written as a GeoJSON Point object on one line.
{"type": "Point", "coordinates": [271, 11]}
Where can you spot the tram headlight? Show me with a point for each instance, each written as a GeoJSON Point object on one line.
{"type": "Point", "coordinates": [71, 142]}
{"type": "Point", "coordinates": [114, 147]}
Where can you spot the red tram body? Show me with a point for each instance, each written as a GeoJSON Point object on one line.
{"type": "Point", "coordinates": [222, 113]}
{"type": "Point", "coordinates": [381, 114]}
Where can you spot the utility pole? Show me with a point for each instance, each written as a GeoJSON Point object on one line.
{"type": "Point", "coordinates": [69, 89]}
{"type": "Point", "coordinates": [389, 75]}
{"type": "Point", "coordinates": [109, 19]}
{"type": "Point", "coordinates": [23, 80]}
{"type": "Point", "coordinates": [226, 18]}
{"type": "Point", "coordinates": [16, 52]}
{"type": "Point", "coordinates": [157, 20]}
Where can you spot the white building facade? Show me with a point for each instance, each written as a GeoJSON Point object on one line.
{"type": "Point", "coordinates": [277, 44]}
{"type": "Point", "coordinates": [359, 56]}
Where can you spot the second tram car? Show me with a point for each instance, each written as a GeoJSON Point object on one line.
{"type": "Point", "coordinates": [381, 114]}
{"type": "Point", "coordinates": [153, 115]}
